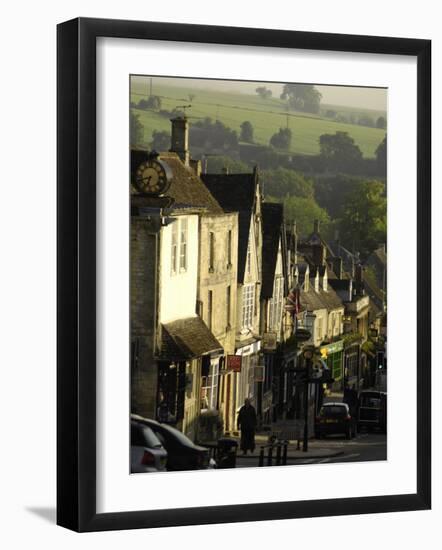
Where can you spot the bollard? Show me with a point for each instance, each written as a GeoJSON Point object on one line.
{"type": "Point", "coordinates": [270, 456]}
{"type": "Point", "coordinates": [261, 457]}
{"type": "Point", "coordinates": [284, 454]}
{"type": "Point", "coordinates": [278, 454]}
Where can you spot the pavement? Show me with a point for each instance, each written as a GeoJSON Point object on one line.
{"type": "Point", "coordinates": [285, 430]}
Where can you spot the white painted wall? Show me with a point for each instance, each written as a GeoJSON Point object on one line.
{"type": "Point", "coordinates": [178, 291]}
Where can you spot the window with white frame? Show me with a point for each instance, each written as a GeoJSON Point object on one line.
{"type": "Point", "coordinates": [248, 304]}
{"type": "Point", "coordinates": [229, 247]}
{"type": "Point", "coordinates": [275, 305]}
{"type": "Point", "coordinates": [209, 388]}
{"type": "Point", "coordinates": [211, 250]}
{"type": "Point", "coordinates": [174, 250]}
{"type": "Point", "coordinates": [183, 244]}
{"type": "Point", "coordinates": [249, 259]}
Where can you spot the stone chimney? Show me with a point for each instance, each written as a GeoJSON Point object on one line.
{"type": "Point", "coordinates": [337, 266]}
{"type": "Point", "coordinates": [316, 227]}
{"type": "Point", "coordinates": [294, 241]}
{"type": "Point", "coordinates": [319, 254]}
{"type": "Point", "coordinates": [180, 138]}
{"type": "Point", "coordinates": [359, 284]}
{"type": "Point", "coordinates": [196, 166]}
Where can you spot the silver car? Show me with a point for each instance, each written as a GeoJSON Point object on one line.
{"type": "Point", "coordinates": [147, 454]}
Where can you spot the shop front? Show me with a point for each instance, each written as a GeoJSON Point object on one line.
{"type": "Point", "coordinates": [333, 355]}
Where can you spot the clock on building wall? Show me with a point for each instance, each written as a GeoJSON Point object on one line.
{"type": "Point", "coordinates": [153, 177]}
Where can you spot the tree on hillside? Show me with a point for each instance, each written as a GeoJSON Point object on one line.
{"type": "Point", "coordinates": [302, 97]}
{"type": "Point", "coordinates": [339, 151]}
{"type": "Point", "coordinates": [160, 141]}
{"type": "Point", "coordinates": [246, 132]}
{"type": "Point", "coordinates": [282, 139]}
{"type": "Point", "coordinates": [191, 97]}
{"type": "Point", "coordinates": [217, 164]}
{"type": "Point", "coordinates": [381, 155]}
{"type": "Point", "coordinates": [366, 120]}
{"type": "Point", "coordinates": [212, 135]}
{"type": "Point", "coordinates": [136, 130]}
{"type": "Point", "coordinates": [304, 210]}
{"type": "Point", "coordinates": [331, 192]}
{"type": "Point", "coordinates": [363, 224]}
{"type": "Point", "coordinates": [282, 183]}
{"type": "Point", "coordinates": [153, 102]}
{"type": "Point", "coordinates": [381, 122]}
{"type": "Point", "coordinates": [264, 92]}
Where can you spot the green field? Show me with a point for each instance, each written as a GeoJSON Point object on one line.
{"type": "Point", "coordinates": [266, 116]}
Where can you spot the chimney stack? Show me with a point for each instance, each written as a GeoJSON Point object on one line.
{"type": "Point", "coordinates": [359, 280]}
{"type": "Point", "coordinates": [316, 227]}
{"type": "Point", "coordinates": [294, 239]}
{"type": "Point", "coordinates": [180, 138]}
{"type": "Point", "coordinates": [337, 266]}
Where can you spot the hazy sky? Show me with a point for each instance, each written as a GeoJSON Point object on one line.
{"type": "Point", "coordinates": [367, 98]}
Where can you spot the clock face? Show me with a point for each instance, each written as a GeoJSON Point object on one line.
{"type": "Point", "coordinates": [152, 177]}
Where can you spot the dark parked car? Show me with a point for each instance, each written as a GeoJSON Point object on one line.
{"type": "Point", "coordinates": [372, 412]}
{"type": "Point", "coordinates": [335, 418]}
{"type": "Point", "coordinates": [182, 453]}
{"type": "Point", "coordinates": [147, 454]}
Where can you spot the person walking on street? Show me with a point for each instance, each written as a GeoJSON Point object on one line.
{"type": "Point", "coordinates": [247, 424]}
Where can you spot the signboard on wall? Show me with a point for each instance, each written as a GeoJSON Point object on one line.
{"type": "Point", "coordinates": [234, 363]}
{"type": "Point", "coordinates": [269, 341]}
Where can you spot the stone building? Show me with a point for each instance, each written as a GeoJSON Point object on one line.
{"type": "Point", "coordinates": [184, 293]}
{"type": "Point", "coordinates": [241, 193]}
{"type": "Point", "coordinates": [276, 323]}
{"type": "Point", "coordinates": [170, 341]}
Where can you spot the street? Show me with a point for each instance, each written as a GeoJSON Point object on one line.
{"type": "Point", "coordinates": [365, 447]}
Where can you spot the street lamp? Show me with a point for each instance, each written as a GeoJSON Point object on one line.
{"type": "Point", "coordinates": [307, 354]}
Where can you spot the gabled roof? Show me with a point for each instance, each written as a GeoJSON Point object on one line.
{"type": "Point", "coordinates": [236, 193]}
{"type": "Point", "coordinates": [272, 224]}
{"type": "Point", "coordinates": [340, 284]}
{"type": "Point", "coordinates": [330, 299]}
{"type": "Point", "coordinates": [380, 255]}
{"type": "Point", "coordinates": [312, 300]}
{"type": "Point", "coordinates": [187, 339]}
{"type": "Point", "coordinates": [186, 187]}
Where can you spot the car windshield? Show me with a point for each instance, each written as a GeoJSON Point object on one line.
{"type": "Point", "coordinates": [368, 401]}
{"type": "Point", "coordinates": [334, 410]}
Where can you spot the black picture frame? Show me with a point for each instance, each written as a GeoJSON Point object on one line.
{"type": "Point", "coordinates": [76, 272]}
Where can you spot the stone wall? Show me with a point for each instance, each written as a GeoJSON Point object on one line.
{"type": "Point", "coordinates": [143, 302]}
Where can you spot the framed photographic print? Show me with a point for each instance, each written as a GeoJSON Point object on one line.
{"type": "Point", "coordinates": [226, 208]}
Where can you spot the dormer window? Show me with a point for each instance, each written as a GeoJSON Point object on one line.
{"type": "Point", "coordinates": [211, 251]}
{"type": "Point", "coordinates": [249, 259]}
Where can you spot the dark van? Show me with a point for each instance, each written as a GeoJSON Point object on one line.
{"type": "Point", "coordinates": [372, 410]}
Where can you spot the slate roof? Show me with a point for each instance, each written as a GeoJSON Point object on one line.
{"type": "Point", "coordinates": [186, 188]}
{"type": "Point", "coordinates": [381, 255]}
{"type": "Point", "coordinates": [340, 284]}
{"type": "Point", "coordinates": [187, 339]}
{"type": "Point", "coordinates": [272, 223]}
{"type": "Point", "coordinates": [312, 300]}
{"type": "Point", "coordinates": [331, 299]}
{"type": "Point", "coordinates": [236, 193]}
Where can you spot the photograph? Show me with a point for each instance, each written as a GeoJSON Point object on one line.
{"type": "Point", "coordinates": [258, 273]}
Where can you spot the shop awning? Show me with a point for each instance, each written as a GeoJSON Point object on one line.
{"type": "Point", "coordinates": [187, 339]}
